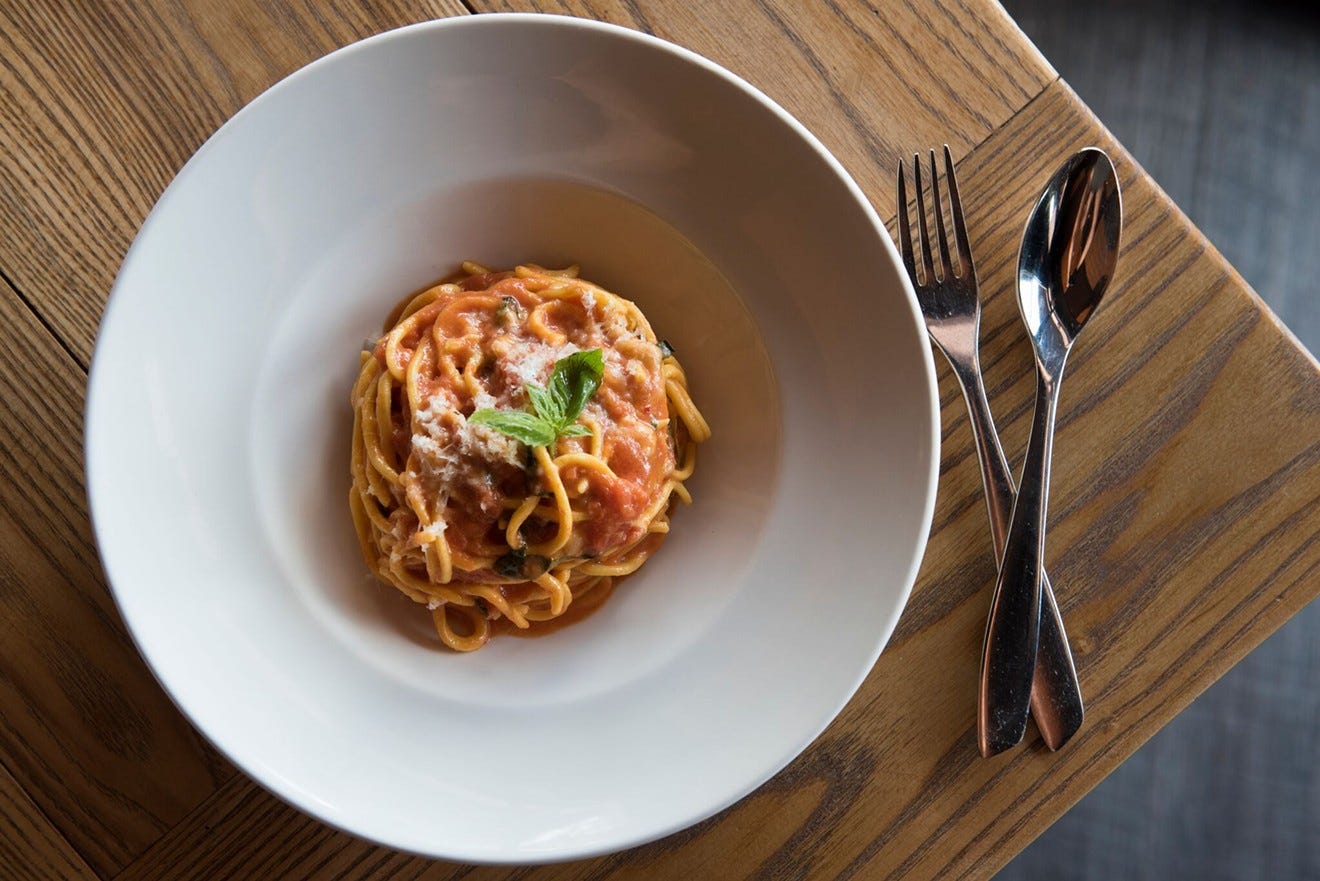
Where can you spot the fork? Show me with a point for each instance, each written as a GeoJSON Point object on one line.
{"type": "Point", "coordinates": [952, 310]}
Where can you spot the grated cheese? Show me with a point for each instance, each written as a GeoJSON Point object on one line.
{"type": "Point", "coordinates": [615, 325]}
{"type": "Point", "coordinates": [450, 448]}
{"type": "Point", "coordinates": [530, 361]}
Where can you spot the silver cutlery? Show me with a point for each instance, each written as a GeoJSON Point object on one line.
{"type": "Point", "coordinates": [1069, 250]}
{"type": "Point", "coordinates": [952, 309]}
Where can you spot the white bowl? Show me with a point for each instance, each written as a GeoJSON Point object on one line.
{"type": "Point", "coordinates": [218, 436]}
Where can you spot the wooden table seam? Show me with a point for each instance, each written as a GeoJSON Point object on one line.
{"type": "Point", "coordinates": [42, 320]}
{"type": "Point", "coordinates": [51, 829]}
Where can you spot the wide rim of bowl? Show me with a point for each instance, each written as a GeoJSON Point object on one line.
{"type": "Point", "coordinates": [97, 379]}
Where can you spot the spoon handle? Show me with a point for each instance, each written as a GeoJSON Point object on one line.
{"type": "Point", "coordinates": [1056, 695]}
{"type": "Point", "coordinates": [1008, 659]}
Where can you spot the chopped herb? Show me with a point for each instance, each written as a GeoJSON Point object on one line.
{"type": "Point", "coordinates": [517, 563]}
{"type": "Point", "coordinates": [482, 607]}
{"type": "Point", "coordinates": [556, 407]}
{"type": "Point", "coordinates": [666, 350]}
{"type": "Point", "coordinates": [511, 564]}
{"type": "Point", "coordinates": [508, 311]}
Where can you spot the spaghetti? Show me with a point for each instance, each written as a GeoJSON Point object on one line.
{"type": "Point", "coordinates": [482, 528]}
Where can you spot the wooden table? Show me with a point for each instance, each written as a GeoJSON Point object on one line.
{"type": "Point", "coordinates": [1186, 502]}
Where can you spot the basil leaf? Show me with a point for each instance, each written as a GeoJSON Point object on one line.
{"type": "Point", "coordinates": [544, 404]}
{"type": "Point", "coordinates": [517, 563]}
{"type": "Point", "coordinates": [511, 564]}
{"type": "Point", "coordinates": [574, 380]}
{"type": "Point", "coordinates": [572, 383]}
{"type": "Point", "coordinates": [517, 424]}
{"type": "Point", "coordinates": [557, 390]}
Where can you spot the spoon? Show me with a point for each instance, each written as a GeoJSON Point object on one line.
{"type": "Point", "coordinates": [1069, 250]}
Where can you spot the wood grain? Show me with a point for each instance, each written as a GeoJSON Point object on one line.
{"type": "Point", "coordinates": [1184, 517]}
{"type": "Point", "coordinates": [83, 725]}
{"type": "Point", "coordinates": [1184, 530]}
{"type": "Point", "coordinates": [31, 849]}
{"type": "Point", "coordinates": [104, 101]}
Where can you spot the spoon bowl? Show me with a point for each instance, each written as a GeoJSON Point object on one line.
{"type": "Point", "coordinates": [1069, 250]}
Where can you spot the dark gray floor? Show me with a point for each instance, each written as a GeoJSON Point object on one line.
{"type": "Point", "coordinates": [1220, 101]}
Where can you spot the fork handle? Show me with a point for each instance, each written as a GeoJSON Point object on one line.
{"type": "Point", "coordinates": [1056, 694]}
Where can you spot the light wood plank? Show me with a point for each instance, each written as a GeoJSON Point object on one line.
{"type": "Point", "coordinates": [104, 102]}
{"type": "Point", "coordinates": [31, 849]}
{"type": "Point", "coordinates": [1185, 528]}
{"type": "Point", "coordinates": [83, 725]}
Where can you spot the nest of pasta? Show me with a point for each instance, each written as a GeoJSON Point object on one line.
{"type": "Point", "coordinates": [518, 442]}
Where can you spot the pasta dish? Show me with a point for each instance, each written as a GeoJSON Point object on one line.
{"type": "Point", "coordinates": [519, 438]}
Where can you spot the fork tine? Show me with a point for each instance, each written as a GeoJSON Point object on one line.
{"type": "Point", "coordinates": [945, 266]}
{"type": "Point", "coordinates": [924, 243]}
{"type": "Point", "coordinates": [905, 225]}
{"type": "Point", "coordinates": [959, 226]}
